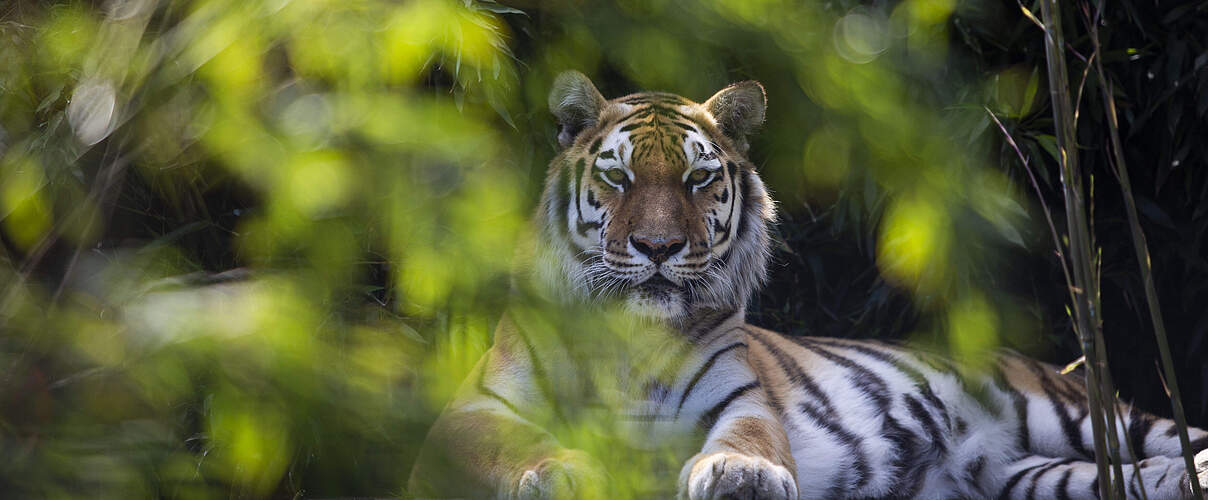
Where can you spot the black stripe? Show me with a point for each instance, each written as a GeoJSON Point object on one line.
{"type": "Point", "coordinates": [684, 126]}
{"type": "Point", "coordinates": [934, 401]}
{"type": "Point", "coordinates": [1069, 427]}
{"type": "Point", "coordinates": [718, 226]}
{"type": "Point", "coordinates": [1020, 403]}
{"type": "Point", "coordinates": [830, 423]}
{"type": "Point", "coordinates": [562, 204]}
{"type": "Point", "coordinates": [583, 227]}
{"type": "Point", "coordinates": [888, 359]}
{"type": "Point", "coordinates": [1031, 493]}
{"type": "Point", "coordinates": [920, 383]}
{"type": "Point", "coordinates": [636, 114]}
{"type": "Point", "coordinates": [539, 373]}
{"type": "Point", "coordinates": [710, 417]}
{"type": "Point", "coordinates": [1063, 485]}
{"type": "Point", "coordinates": [708, 322]}
{"type": "Point", "coordinates": [701, 373]}
{"type": "Point", "coordinates": [795, 375]}
{"type": "Point", "coordinates": [1198, 445]}
{"type": "Point", "coordinates": [1053, 386]}
{"type": "Point", "coordinates": [580, 166]}
{"type": "Point", "coordinates": [1005, 493]}
{"type": "Point", "coordinates": [595, 145]}
{"type": "Point", "coordinates": [939, 446]}
{"type": "Point", "coordinates": [1138, 430]}
{"type": "Point", "coordinates": [656, 97]}
{"type": "Point", "coordinates": [825, 415]}
{"type": "Point", "coordinates": [1073, 387]}
{"type": "Point", "coordinates": [486, 391]}
{"type": "Point", "coordinates": [669, 112]}
{"type": "Point", "coordinates": [905, 464]}
{"type": "Point", "coordinates": [591, 198]}
{"type": "Point", "coordinates": [1163, 478]}
{"type": "Point", "coordinates": [747, 201]}
{"type": "Point", "coordinates": [871, 384]}
{"type": "Point", "coordinates": [913, 469]}
{"type": "Point", "coordinates": [676, 362]}
{"type": "Point", "coordinates": [615, 263]}
{"type": "Point", "coordinates": [722, 229]}
{"type": "Point", "coordinates": [974, 469]}
{"type": "Point", "coordinates": [1134, 487]}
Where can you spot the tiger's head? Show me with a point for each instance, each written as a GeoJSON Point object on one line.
{"type": "Point", "coordinates": [652, 201]}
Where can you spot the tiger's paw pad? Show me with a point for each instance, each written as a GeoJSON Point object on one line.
{"type": "Point", "coordinates": [570, 474]}
{"type": "Point", "coordinates": [733, 475]}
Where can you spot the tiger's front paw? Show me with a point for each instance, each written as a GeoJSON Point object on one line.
{"type": "Point", "coordinates": [568, 474]}
{"type": "Point", "coordinates": [733, 475]}
{"type": "Point", "coordinates": [1201, 472]}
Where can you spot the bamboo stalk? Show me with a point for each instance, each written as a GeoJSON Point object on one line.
{"type": "Point", "coordinates": [1079, 234]}
{"type": "Point", "coordinates": [1107, 394]}
{"type": "Point", "coordinates": [1141, 248]}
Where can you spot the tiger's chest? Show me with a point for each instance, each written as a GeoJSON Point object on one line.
{"type": "Point", "coordinates": [678, 403]}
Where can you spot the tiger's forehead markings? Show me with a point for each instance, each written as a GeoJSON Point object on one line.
{"type": "Point", "coordinates": [657, 126]}
{"type": "Point", "coordinates": [654, 97]}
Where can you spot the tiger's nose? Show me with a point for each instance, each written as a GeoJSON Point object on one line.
{"type": "Point", "coordinates": [658, 249]}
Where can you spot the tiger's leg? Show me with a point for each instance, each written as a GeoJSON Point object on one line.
{"type": "Point", "coordinates": [1161, 478]}
{"type": "Point", "coordinates": [486, 443]}
{"type": "Point", "coordinates": [1058, 423]}
{"type": "Point", "coordinates": [486, 453]}
{"type": "Point", "coordinates": [1158, 437]}
{"type": "Point", "coordinates": [1146, 439]}
{"type": "Point", "coordinates": [746, 453]}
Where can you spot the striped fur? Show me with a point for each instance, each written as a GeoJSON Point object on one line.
{"type": "Point", "coordinates": [776, 417]}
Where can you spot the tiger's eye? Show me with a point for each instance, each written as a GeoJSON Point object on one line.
{"type": "Point", "coordinates": [698, 176]}
{"type": "Point", "coordinates": [616, 175]}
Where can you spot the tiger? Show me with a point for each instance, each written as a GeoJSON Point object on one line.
{"type": "Point", "coordinates": [651, 200]}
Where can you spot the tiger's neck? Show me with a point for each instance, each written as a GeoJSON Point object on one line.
{"type": "Point", "coordinates": [703, 324]}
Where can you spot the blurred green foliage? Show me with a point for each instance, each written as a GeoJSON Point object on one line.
{"type": "Point", "coordinates": [369, 167]}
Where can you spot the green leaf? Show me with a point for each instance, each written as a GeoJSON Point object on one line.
{"type": "Point", "coordinates": [50, 99]}
{"type": "Point", "coordinates": [1049, 144]}
{"type": "Point", "coordinates": [1029, 94]}
{"type": "Point", "coordinates": [1009, 232]}
{"type": "Point", "coordinates": [491, 6]}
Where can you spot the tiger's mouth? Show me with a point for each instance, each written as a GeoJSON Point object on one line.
{"type": "Point", "coordinates": [658, 284]}
{"type": "Point", "coordinates": [657, 296]}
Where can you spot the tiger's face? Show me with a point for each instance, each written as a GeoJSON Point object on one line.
{"type": "Point", "coordinates": [652, 201]}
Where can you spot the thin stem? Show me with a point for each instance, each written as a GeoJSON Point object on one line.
{"type": "Point", "coordinates": [1132, 453]}
{"type": "Point", "coordinates": [1107, 391]}
{"type": "Point", "coordinates": [1048, 214]}
{"type": "Point", "coordinates": [1141, 248]}
{"type": "Point", "coordinates": [1086, 316]}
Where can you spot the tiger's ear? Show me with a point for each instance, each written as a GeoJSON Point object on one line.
{"type": "Point", "coordinates": [739, 110]}
{"type": "Point", "coordinates": [576, 104]}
